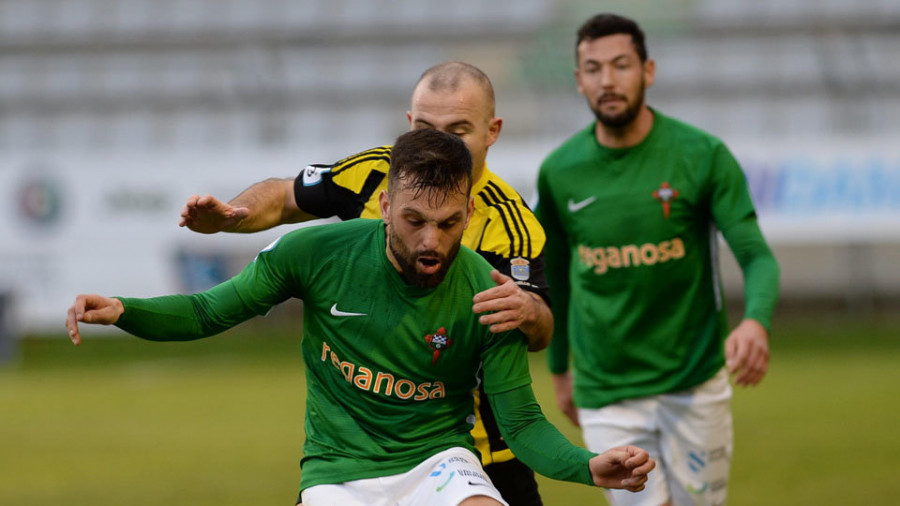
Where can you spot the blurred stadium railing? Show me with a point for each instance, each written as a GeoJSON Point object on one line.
{"type": "Point", "coordinates": [157, 99]}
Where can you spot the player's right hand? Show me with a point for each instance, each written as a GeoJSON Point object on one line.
{"type": "Point", "coordinates": [92, 308]}
{"type": "Point", "coordinates": [208, 215]}
{"type": "Point", "coordinates": [624, 467]}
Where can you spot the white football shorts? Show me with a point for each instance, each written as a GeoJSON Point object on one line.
{"type": "Point", "coordinates": [688, 433]}
{"type": "Point", "coordinates": [444, 479]}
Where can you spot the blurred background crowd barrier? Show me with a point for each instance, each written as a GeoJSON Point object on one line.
{"type": "Point", "coordinates": [113, 112]}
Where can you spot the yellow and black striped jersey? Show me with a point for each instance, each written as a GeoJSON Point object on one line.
{"type": "Point", "coordinates": [502, 229]}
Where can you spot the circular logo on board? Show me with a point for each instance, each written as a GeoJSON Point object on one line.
{"type": "Point", "coordinates": [39, 201]}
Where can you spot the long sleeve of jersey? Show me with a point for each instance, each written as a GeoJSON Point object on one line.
{"type": "Point", "coordinates": [535, 441]}
{"type": "Point", "coordinates": [254, 291]}
{"type": "Point", "coordinates": [760, 269]}
{"type": "Point", "coordinates": [184, 317]}
{"type": "Point", "coordinates": [556, 253]}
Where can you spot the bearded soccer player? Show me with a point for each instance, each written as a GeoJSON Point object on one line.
{"type": "Point", "coordinates": [391, 347]}
{"type": "Point", "coordinates": [456, 98]}
{"type": "Point", "coordinates": [631, 205]}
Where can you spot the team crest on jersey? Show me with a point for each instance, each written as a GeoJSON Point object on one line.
{"type": "Point", "coordinates": [665, 194]}
{"type": "Point", "coordinates": [439, 341]}
{"type": "Point", "coordinates": [312, 174]}
{"type": "Point", "coordinates": [520, 268]}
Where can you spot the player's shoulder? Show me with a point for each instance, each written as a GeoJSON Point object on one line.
{"type": "Point", "coordinates": [685, 134]}
{"type": "Point", "coordinates": [497, 192]}
{"type": "Point", "coordinates": [378, 159]}
{"type": "Point", "coordinates": [571, 151]}
{"type": "Point", "coordinates": [474, 268]}
{"type": "Point", "coordinates": [330, 236]}
{"type": "Point", "coordinates": [510, 226]}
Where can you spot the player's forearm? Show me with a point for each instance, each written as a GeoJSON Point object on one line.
{"type": "Point", "coordinates": [538, 331]}
{"type": "Point", "coordinates": [271, 203]}
{"type": "Point", "coordinates": [760, 269]}
{"type": "Point", "coordinates": [535, 441]}
{"type": "Point", "coordinates": [184, 317]}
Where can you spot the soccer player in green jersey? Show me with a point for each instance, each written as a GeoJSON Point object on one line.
{"type": "Point", "coordinates": [391, 346]}
{"type": "Point", "coordinates": [631, 205]}
{"type": "Point", "coordinates": [456, 98]}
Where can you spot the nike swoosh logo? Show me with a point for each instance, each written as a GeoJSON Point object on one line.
{"type": "Point", "coordinates": [479, 484]}
{"type": "Point", "coordinates": [337, 312]}
{"type": "Point", "coordinates": [574, 207]}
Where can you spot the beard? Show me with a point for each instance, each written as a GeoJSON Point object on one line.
{"type": "Point", "coordinates": [409, 262]}
{"type": "Point", "coordinates": [623, 118]}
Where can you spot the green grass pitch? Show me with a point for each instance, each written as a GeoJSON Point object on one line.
{"type": "Point", "coordinates": [220, 421]}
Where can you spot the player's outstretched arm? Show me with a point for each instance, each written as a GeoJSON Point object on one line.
{"type": "Point", "coordinates": [543, 448]}
{"type": "Point", "coordinates": [260, 207]}
{"type": "Point", "coordinates": [514, 308]}
{"type": "Point", "coordinates": [92, 308]}
{"type": "Point", "coordinates": [625, 467]}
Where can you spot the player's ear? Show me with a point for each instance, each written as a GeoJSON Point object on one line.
{"type": "Point", "coordinates": [384, 202]}
{"type": "Point", "coordinates": [494, 127]}
{"type": "Point", "coordinates": [577, 73]}
{"type": "Point", "coordinates": [649, 73]}
{"type": "Point", "coordinates": [469, 210]}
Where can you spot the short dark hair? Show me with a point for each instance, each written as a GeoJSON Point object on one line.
{"type": "Point", "coordinates": [606, 24]}
{"type": "Point", "coordinates": [430, 161]}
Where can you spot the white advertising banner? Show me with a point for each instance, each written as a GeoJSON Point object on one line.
{"type": "Point", "coordinates": [107, 223]}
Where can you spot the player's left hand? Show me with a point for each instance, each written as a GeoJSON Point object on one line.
{"type": "Point", "coordinates": [624, 467]}
{"type": "Point", "coordinates": [512, 306]}
{"type": "Point", "coordinates": [747, 352]}
{"type": "Point", "coordinates": [92, 308]}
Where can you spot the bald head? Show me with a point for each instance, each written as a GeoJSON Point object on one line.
{"type": "Point", "coordinates": [450, 77]}
{"type": "Point", "coordinates": [458, 99]}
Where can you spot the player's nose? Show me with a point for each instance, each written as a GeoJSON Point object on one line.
{"type": "Point", "coordinates": [430, 239]}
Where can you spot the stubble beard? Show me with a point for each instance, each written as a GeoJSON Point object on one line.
{"type": "Point", "coordinates": [623, 119]}
{"type": "Point", "coordinates": [407, 261]}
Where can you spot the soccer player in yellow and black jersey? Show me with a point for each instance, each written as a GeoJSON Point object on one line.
{"type": "Point", "coordinates": [456, 98]}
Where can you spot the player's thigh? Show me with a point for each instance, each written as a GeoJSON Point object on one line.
{"type": "Point", "coordinates": [515, 481]}
{"type": "Point", "coordinates": [631, 422]}
{"type": "Point", "coordinates": [697, 441]}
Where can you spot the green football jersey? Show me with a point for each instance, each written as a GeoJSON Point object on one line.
{"type": "Point", "coordinates": [632, 261]}
{"type": "Point", "coordinates": [390, 367]}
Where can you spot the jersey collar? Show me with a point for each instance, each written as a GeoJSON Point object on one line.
{"type": "Point", "coordinates": [482, 181]}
